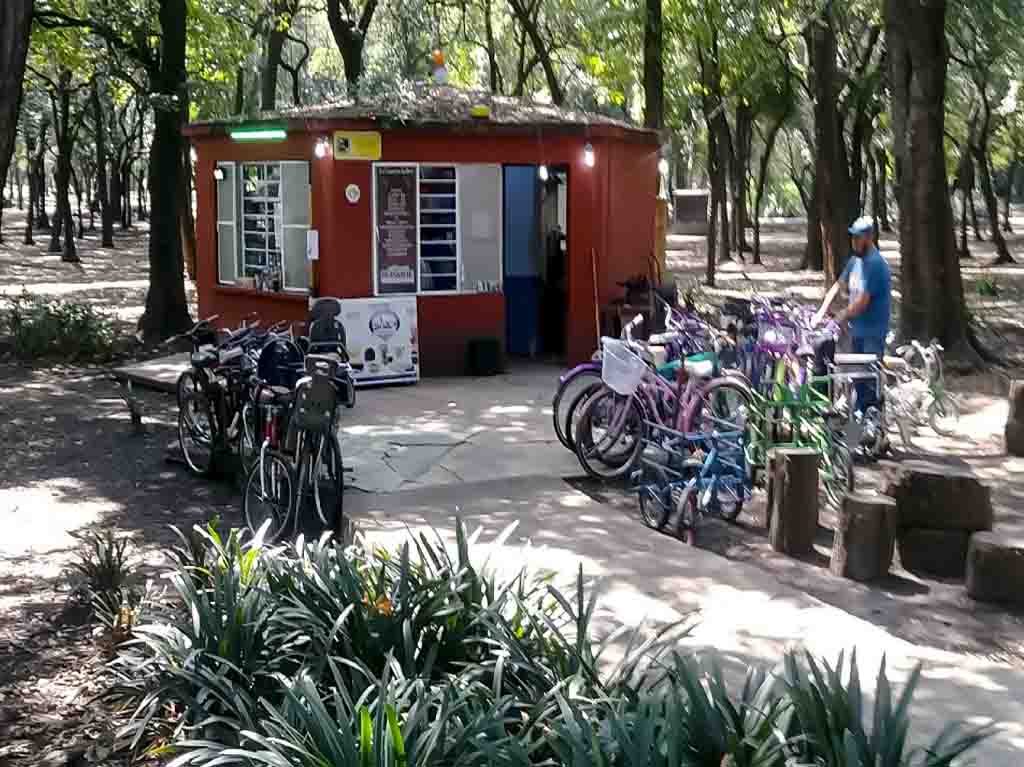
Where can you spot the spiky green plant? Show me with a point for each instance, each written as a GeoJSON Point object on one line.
{"type": "Point", "coordinates": [830, 718]}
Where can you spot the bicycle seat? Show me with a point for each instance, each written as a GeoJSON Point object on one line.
{"type": "Point", "coordinates": [204, 359]}
{"type": "Point", "coordinates": [855, 359]}
{"type": "Point", "coordinates": [274, 395]}
{"type": "Point", "coordinates": [700, 368]}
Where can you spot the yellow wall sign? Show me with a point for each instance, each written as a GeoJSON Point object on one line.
{"type": "Point", "coordinates": [356, 145]}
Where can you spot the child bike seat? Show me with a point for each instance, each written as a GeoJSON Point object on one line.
{"type": "Point", "coordinates": [704, 368]}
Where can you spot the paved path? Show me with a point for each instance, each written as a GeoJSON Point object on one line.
{"type": "Point", "coordinates": [745, 615]}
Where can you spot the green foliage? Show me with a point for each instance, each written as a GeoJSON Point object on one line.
{"type": "Point", "coordinates": [103, 565]}
{"type": "Point", "coordinates": [316, 655]}
{"type": "Point", "coordinates": [44, 327]}
{"type": "Point", "coordinates": [830, 713]}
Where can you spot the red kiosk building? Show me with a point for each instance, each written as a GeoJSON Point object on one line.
{"type": "Point", "coordinates": [504, 219]}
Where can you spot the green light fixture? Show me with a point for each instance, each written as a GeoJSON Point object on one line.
{"type": "Point", "coordinates": [258, 133]}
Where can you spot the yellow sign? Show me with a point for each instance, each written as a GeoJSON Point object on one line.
{"type": "Point", "coordinates": [356, 145]}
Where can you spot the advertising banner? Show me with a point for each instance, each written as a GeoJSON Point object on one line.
{"type": "Point", "coordinates": [396, 229]}
{"type": "Point", "coordinates": [383, 343]}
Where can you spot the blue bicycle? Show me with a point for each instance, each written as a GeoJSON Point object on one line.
{"type": "Point", "coordinates": [695, 475]}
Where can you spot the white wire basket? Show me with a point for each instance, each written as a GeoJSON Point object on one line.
{"type": "Point", "coordinates": [622, 369]}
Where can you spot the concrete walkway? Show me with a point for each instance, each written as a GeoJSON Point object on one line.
{"type": "Point", "coordinates": [440, 431]}
{"type": "Point", "coordinates": [744, 615]}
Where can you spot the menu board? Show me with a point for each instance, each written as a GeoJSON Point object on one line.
{"type": "Point", "coordinates": [396, 229]}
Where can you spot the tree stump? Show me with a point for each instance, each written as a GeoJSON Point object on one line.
{"type": "Point", "coordinates": [1014, 431]}
{"type": "Point", "coordinates": [934, 552]}
{"type": "Point", "coordinates": [792, 500]}
{"type": "Point", "coordinates": [995, 569]}
{"type": "Point", "coordinates": [865, 537]}
{"type": "Point", "coordinates": [938, 496]}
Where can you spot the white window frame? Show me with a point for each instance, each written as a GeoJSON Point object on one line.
{"type": "Point", "coordinates": [419, 240]}
{"type": "Point", "coordinates": [277, 218]}
{"type": "Point", "coordinates": [238, 224]}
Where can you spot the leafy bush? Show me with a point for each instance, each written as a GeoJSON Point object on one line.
{"type": "Point", "coordinates": [316, 654]}
{"type": "Point", "coordinates": [44, 327]}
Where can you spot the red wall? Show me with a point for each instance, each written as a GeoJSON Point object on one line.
{"type": "Point", "coordinates": [610, 220]}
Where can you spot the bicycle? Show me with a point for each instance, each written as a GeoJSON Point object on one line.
{"type": "Point", "coordinates": [694, 475]}
{"type": "Point", "coordinates": [305, 466]}
{"type": "Point", "coordinates": [612, 422]}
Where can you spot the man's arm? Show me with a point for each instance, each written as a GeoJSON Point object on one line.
{"type": "Point", "coordinates": [855, 309]}
{"type": "Point", "coordinates": [827, 302]}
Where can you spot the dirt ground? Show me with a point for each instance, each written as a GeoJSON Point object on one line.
{"type": "Point", "coordinates": [73, 463]}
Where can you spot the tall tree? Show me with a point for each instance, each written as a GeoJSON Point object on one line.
{"type": "Point", "coordinates": [15, 30]}
{"type": "Point", "coordinates": [930, 280]}
{"type": "Point", "coordinates": [103, 190]}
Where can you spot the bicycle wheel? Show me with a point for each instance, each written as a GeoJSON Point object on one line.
{"type": "Point", "coordinates": [328, 481]}
{"type": "Point", "coordinates": [837, 472]}
{"type": "Point", "coordinates": [572, 413]}
{"type": "Point", "coordinates": [197, 434]}
{"type": "Point", "coordinates": [654, 497]}
{"type": "Point", "coordinates": [944, 415]}
{"type": "Point", "coordinates": [723, 399]}
{"type": "Point", "coordinates": [687, 515]}
{"type": "Point", "coordinates": [609, 436]}
{"type": "Point", "coordinates": [269, 497]}
{"type": "Point", "coordinates": [566, 398]}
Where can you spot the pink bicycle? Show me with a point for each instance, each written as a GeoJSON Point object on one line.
{"type": "Point", "coordinates": [634, 400]}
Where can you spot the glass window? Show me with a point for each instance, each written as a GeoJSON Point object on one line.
{"type": "Point", "coordinates": [263, 214]}
{"type": "Point", "coordinates": [439, 231]}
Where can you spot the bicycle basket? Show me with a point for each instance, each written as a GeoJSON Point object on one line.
{"type": "Point", "coordinates": [622, 370]}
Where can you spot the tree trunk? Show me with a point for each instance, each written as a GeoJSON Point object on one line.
{"type": "Point", "coordinates": [493, 67]}
{"type": "Point", "coordinates": [709, 271]}
{"type": "Point", "coordinates": [1007, 226]}
{"type": "Point", "coordinates": [126, 195]}
{"type": "Point", "coordinates": [873, 183]}
{"type": "Point", "coordinates": [78, 201]}
{"type": "Point", "coordinates": [15, 27]}
{"type": "Point", "coordinates": [166, 307]}
{"type": "Point", "coordinates": [974, 216]}
{"type": "Point", "coordinates": [350, 37]}
{"type": "Point", "coordinates": [30, 217]}
{"type": "Point", "coordinates": [100, 130]}
{"type": "Point", "coordinates": [831, 170]}
{"type": "Point", "coordinates": [813, 252]}
{"type": "Point", "coordinates": [980, 149]}
{"type": "Point", "coordinates": [271, 65]}
{"type": "Point", "coordinates": [39, 169]}
{"type": "Point", "coordinates": [116, 193]}
{"type": "Point", "coordinates": [965, 251]}
{"type": "Point", "coordinates": [239, 90]}
{"type": "Point", "coordinates": [60, 102]}
{"type": "Point", "coordinates": [882, 160]}
{"type": "Point", "coordinates": [740, 171]}
{"type": "Point", "coordinates": [654, 67]}
{"type": "Point", "coordinates": [933, 294]}
{"type": "Point", "coordinates": [20, 194]}
{"type": "Point", "coordinates": [762, 179]}
{"type": "Point", "coordinates": [140, 186]}
{"type": "Point", "coordinates": [188, 224]}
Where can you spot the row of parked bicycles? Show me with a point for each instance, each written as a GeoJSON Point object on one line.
{"type": "Point", "coordinates": [691, 414]}
{"type": "Point", "coordinates": [264, 403]}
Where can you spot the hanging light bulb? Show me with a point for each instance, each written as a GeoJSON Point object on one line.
{"type": "Point", "coordinates": [542, 173]}
{"type": "Point", "coordinates": [322, 147]}
{"type": "Point", "coordinates": [663, 166]}
{"type": "Point", "coordinates": [588, 155]}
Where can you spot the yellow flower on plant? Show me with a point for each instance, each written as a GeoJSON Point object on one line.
{"type": "Point", "coordinates": [381, 605]}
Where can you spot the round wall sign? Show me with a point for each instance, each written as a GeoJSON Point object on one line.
{"type": "Point", "coordinates": [353, 193]}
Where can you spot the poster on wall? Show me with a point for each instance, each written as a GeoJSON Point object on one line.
{"type": "Point", "coordinates": [396, 229]}
{"type": "Point", "coordinates": [383, 340]}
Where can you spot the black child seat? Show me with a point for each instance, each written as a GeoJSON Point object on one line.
{"type": "Point", "coordinates": [325, 329]}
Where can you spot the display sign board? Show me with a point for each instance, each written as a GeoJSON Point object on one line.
{"type": "Point", "coordinates": [383, 340]}
{"type": "Point", "coordinates": [396, 215]}
{"type": "Point", "coordinates": [356, 145]}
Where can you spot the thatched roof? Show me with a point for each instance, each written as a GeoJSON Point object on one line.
{"type": "Point", "coordinates": [436, 105]}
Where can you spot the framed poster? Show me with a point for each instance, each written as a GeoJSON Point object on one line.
{"type": "Point", "coordinates": [383, 339]}
{"type": "Point", "coordinates": [396, 217]}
